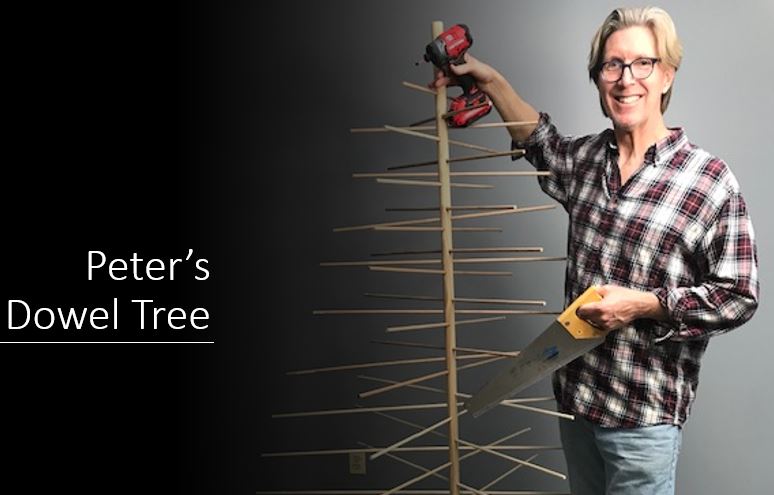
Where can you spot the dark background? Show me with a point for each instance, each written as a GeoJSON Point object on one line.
{"type": "Point", "coordinates": [110, 135]}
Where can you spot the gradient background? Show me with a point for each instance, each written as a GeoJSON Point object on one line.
{"type": "Point", "coordinates": [223, 127]}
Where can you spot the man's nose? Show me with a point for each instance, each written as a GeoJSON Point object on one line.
{"type": "Point", "coordinates": [627, 76]}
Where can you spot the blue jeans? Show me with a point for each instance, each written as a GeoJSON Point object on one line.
{"type": "Point", "coordinates": [620, 461]}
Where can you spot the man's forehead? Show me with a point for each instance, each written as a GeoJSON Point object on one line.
{"type": "Point", "coordinates": [631, 42]}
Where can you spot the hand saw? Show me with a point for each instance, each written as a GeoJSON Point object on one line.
{"type": "Point", "coordinates": [566, 339]}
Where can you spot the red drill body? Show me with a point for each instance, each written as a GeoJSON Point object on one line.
{"type": "Point", "coordinates": [449, 48]}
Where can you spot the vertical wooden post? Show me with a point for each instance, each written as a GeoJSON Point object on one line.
{"type": "Point", "coordinates": [448, 279]}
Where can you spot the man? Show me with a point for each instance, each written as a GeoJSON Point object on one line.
{"type": "Point", "coordinates": [661, 226]}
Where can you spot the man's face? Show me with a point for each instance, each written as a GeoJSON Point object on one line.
{"type": "Point", "coordinates": [630, 102]}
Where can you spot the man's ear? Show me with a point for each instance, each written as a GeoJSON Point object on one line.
{"type": "Point", "coordinates": [669, 77]}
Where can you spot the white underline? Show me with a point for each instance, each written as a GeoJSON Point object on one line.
{"type": "Point", "coordinates": [108, 342]}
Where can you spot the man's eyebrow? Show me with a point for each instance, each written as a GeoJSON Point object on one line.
{"type": "Point", "coordinates": [636, 57]}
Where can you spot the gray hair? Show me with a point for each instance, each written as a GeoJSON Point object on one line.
{"type": "Point", "coordinates": [668, 46]}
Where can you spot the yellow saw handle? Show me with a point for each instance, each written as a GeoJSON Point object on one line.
{"type": "Point", "coordinates": [578, 328]}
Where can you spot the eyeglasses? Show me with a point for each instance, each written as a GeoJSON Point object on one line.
{"type": "Point", "coordinates": [641, 68]}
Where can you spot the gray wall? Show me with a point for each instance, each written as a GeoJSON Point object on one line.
{"type": "Point", "coordinates": [350, 77]}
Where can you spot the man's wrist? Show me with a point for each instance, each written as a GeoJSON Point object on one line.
{"type": "Point", "coordinates": [650, 307]}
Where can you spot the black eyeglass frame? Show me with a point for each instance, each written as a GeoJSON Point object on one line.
{"type": "Point", "coordinates": [653, 61]}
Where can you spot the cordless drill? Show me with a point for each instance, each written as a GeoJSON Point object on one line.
{"type": "Point", "coordinates": [449, 48]}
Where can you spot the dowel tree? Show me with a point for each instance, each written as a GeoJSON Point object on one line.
{"type": "Point", "coordinates": [445, 219]}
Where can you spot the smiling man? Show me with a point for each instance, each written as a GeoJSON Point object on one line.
{"type": "Point", "coordinates": [661, 226]}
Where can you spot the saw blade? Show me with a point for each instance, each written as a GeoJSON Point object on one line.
{"type": "Point", "coordinates": [565, 340]}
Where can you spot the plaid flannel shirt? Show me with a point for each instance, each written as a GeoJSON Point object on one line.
{"type": "Point", "coordinates": [678, 228]}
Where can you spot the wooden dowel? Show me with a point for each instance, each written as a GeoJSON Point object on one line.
{"type": "Point", "coordinates": [400, 488]}
{"type": "Point", "coordinates": [467, 250]}
{"type": "Point", "coordinates": [499, 210]}
{"type": "Point", "coordinates": [428, 183]}
{"type": "Point", "coordinates": [409, 463]}
{"type": "Point", "coordinates": [524, 209]}
{"type": "Point", "coordinates": [412, 386]}
{"type": "Point", "coordinates": [398, 223]}
{"type": "Point", "coordinates": [394, 269]}
{"type": "Point", "coordinates": [506, 173]}
{"type": "Point", "coordinates": [498, 250]}
{"type": "Point", "coordinates": [390, 228]}
{"type": "Point", "coordinates": [404, 492]}
{"type": "Point", "coordinates": [483, 273]}
{"type": "Point", "coordinates": [427, 448]}
{"type": "Point", "coordinates": [474, 352]}
{"type": "Point", "coordinates": [506, 403]}
{"type": "Point", "coordinates": [486, 352]}
{"type": "Point", "coordinates": [465, 447]}
{"type": "Point", "coordinates": [423, 183]}
{"type": "Point", "coordinates": [419, 87]}
{"type": "Point", "coordinates": [335, 412]}
{"type": "Point", "coordinates": [460, 261]}
{"type": "Point", "coordinates": [505, 312]}
{"type": "Point", "coordinates": [423, 378]}
{"type": "Point", "coordinates": [484, 156]}
{"type": "Point", "coordinates": [482, 207]}
{"type": "Point", "coordinates": [402, 343]}
{"type": "Point", "coordinates": [507, 473]}
{"type": "Point", "coordinates": [413, 165]}
{"type": "Point", "coordinates": [381, 130]}
{"type": "Point", "coordinates": [414, 345]}
{"type": "Point", "coordinates": [422, 468]}
{"type": "Point", "coordinates": [437, 229]}
{"type": "Point", "coordinates": [407, 297]}
{"type": "Point", "coordinates": [487, 125]}
{"type": "Point", "coordinates": [516, 153]}
{"type": "Point", "coordinates": [522, 400]}
{"type": "Point", "coordinates": [483, 173]}
{"type": "Point", "coordinates": [514, 459]}
{"type": "Point", "coordinates": [416, 435]}
{"type": "Point", "coordinates": [431, 137]}
{"type": "Point", "coordinates": [412, 437]}
{"type": "Point", "coordinates": [377, 312]}
{"type": "Point", "coordinates": [396, 253]}
{"type": "Point", "coordinates": [533, 302]}
{"type": "Point", "coordinates": [463, 261]}
{"type": "Point", "coordinates": [486, 273]}
{"type": "Point", "coordinates": [378, 364]}
{"type": "Point", "coordinates": [431, 312]}
{"type": "Point", "coordinates": [457, 208]}
{"type": "Point", "coordinates": [425, 326]}
{"type": "Point", "coordinates": [539, 410]}
{"type": "Point", "coordinates": [381, 263]}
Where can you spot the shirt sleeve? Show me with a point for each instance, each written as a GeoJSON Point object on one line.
{"type": "Point", "coordinates": [547, 150]}
{"type": "Point", "coordinates": [728, 294]}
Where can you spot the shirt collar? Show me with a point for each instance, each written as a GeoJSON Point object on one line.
{"type": "Point", "coordinates": [661, 152]}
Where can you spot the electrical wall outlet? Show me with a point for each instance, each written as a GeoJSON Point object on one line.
{"type": "Point", "coordinates": [357, 463]}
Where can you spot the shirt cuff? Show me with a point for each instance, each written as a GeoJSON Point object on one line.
{"type": "Point", "coordinates": [674, 328]}
{"type": "Point", "coordinates": [537, 136]}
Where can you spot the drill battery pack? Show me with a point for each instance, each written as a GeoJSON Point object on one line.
{"type": "Point", "coordinates": [468, 108]}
